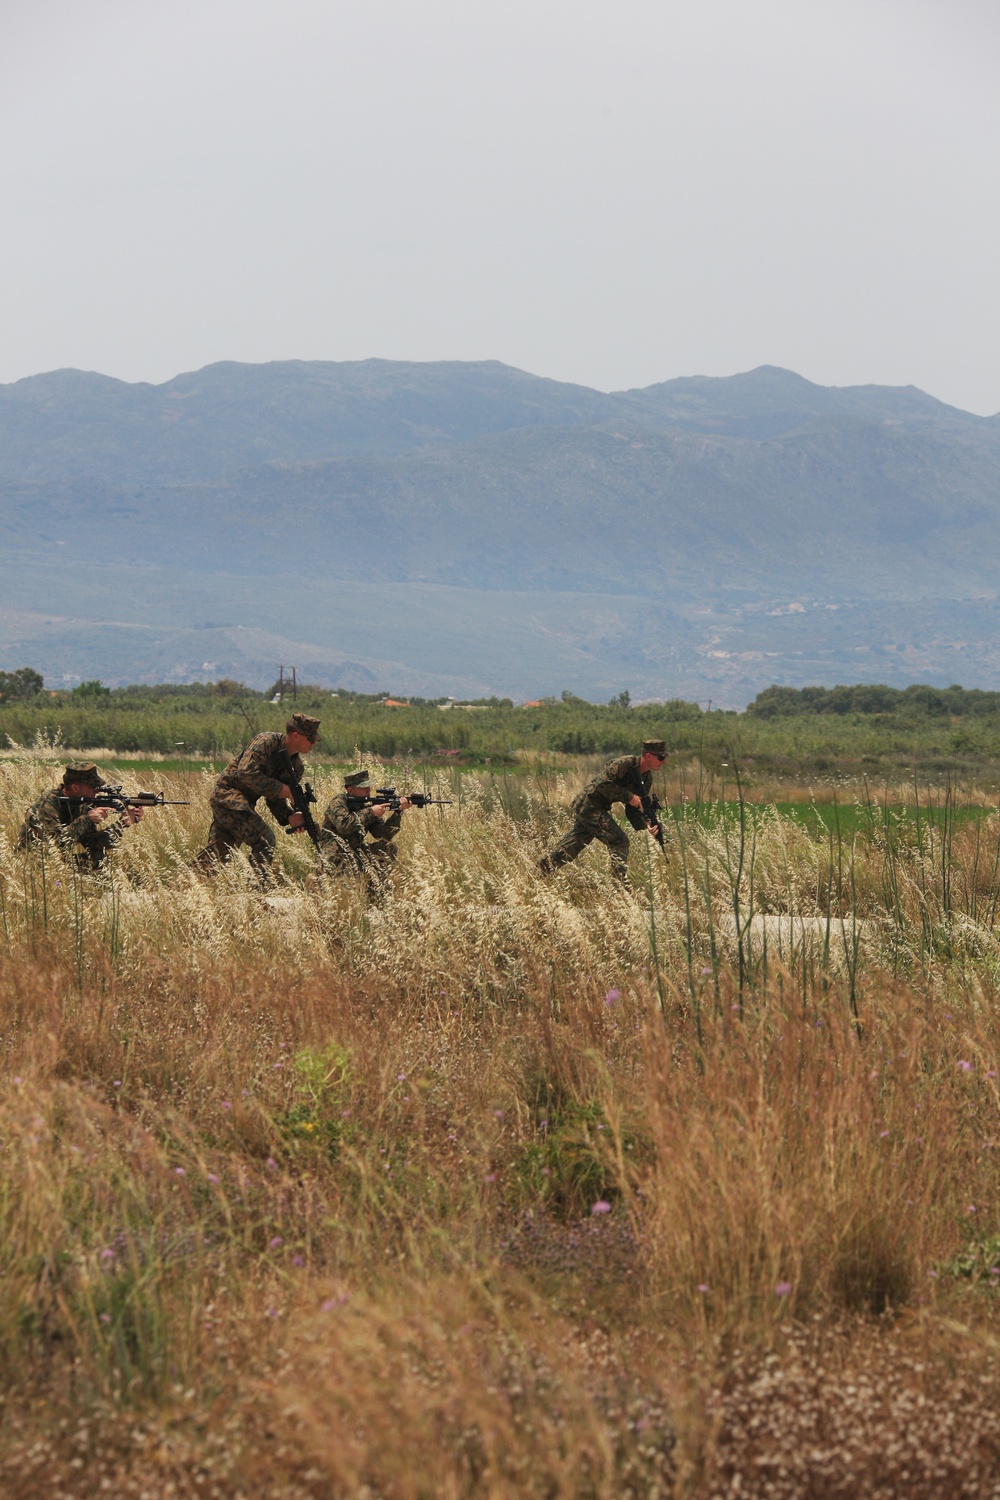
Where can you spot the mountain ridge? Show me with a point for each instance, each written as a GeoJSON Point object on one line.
{"type": "Point", "coordinates": [203, 423]}
{"type": "Point", "coordinates": [708, 507]}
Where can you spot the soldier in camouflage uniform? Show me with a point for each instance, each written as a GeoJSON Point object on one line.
{"type": "Point", "coordinates": [347, 825]}
{"type": "Point", "coordinates": [63, 818]}
{"type": "Point", "coordinates": [592, 817]}
{"type": "Point", "coordinates": [257, 771]}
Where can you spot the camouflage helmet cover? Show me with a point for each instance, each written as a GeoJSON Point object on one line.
{"type": "Point", "coordinates": [303, 724]}
{"type": "Point", "coordinates": [84, 773]}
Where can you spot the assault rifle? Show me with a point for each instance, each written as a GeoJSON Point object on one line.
{"type": "Point", "coordinates": [303, 798]}
{"type": "Point", "coordinates": [118, 799]}
{"type": "Point", "coordinates": [649, 816]}
{"type": "Point", "coordinates": [389, 796]}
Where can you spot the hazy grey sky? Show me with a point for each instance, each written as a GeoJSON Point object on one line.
{"type": "Point", "coordinates": [608, 191]}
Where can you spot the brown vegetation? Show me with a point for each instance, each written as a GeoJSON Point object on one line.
{"type": "Point", "coordinates": [502, 1187]}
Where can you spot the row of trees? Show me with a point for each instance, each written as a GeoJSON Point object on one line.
{"type": "Point", "coordinates": [914, 702]}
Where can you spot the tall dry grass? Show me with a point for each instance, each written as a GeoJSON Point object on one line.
{"type": "Point", "coordinates": [503, 1186]}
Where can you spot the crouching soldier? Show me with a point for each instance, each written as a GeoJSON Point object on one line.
{"type": "Point", "coordinates": [620, 781]}
{"type": "Point", "coordinates": [259, 770]}
{"type": "Point", "coordinates": [358, 836]}
{"type": "Point", "coordinates": [63, 818]}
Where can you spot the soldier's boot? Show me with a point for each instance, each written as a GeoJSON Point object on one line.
{"type": "Point", "coordinates": [550, 863]}
{"type": "Point", "coordinates": [619, 870]}
{"type": "Point", "coordinates": [211, 857]}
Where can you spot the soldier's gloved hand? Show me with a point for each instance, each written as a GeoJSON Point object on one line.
{"type": "Point", "coordinates": [97, 814]}
{"type": "Point", "coordinates": [296, 822]}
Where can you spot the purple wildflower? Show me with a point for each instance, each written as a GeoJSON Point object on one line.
{"type": "Point", "coordinates": [602, 1206]}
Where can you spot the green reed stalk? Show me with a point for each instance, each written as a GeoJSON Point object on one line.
{"type": "Point", "coordinates": [45, 890]}
{"type": "Point", "coordinates": [947, 841]}
{"type": "Point", "coordinates": [688, 938]}
{"type": "Point", "coordinates": [993, 880]}
{"type": "Point", "coordinates": [654, 947]}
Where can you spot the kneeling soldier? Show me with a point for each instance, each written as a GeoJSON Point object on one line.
{"type": "Point", "coordinates": [348, 822]}
{"type": "Point", "coordinates": [63, 818]}
{"type": "Point", "coordinates": [260, 770]}
{"type": "Point", "coordinates": [592, 819]}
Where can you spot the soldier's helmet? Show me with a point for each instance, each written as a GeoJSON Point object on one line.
{"type": "Point", "coordinates": [84, 773]}
{"type": "Point", "coordinates": [303, 724]}
{"type": "Point", "coordinates": [358, 778]}
{"type": "Point", "coordinates": [655, 747]}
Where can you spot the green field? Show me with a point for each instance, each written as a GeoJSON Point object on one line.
{"type": "Point", "coordinates": [881, 735]}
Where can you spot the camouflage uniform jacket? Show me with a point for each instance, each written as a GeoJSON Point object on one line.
{"type": "Point", "coordinates": [256, 772]}
{"type": "Point", "coordinates": [350, 823]}
{"type": "Point", "coordinates": [616, 783]}
{"type": "Point", "coordinates": [68, 824]}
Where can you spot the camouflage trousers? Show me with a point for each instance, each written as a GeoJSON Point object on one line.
{"type": "Point", "coordinates": [372, 863]}
{"type": "Point", "coordinates": [234, 822]}
{"type": "Point", "coordinates": [590, 822]}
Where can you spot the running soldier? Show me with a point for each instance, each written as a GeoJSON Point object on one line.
{"type": "Point", "coordinates": [62, 818]}
{"type": "Point", "coordinates": [348, 824]}
{"type": "Point", "coordinates": [592, 818]}
{"type": "Point", "coordinates": [260, 770]}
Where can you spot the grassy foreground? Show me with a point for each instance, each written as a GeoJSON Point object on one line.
{"type": "Point", "coordinates": [505, 1187]}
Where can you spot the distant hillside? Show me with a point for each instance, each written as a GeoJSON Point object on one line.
{"type": "Point", "coordinates": [769, 402]}
{"type": "Point", "coordinates": [711, 509]}
{"type": "Point", "coordinates": [72, 425]}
